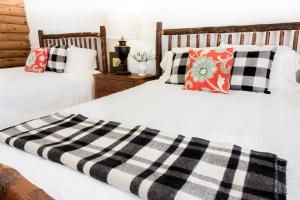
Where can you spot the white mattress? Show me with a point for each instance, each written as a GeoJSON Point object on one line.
{"type": "Point", "coordinates": [253, 120]}
{"type": "Point", "coordinates": [24, 96]}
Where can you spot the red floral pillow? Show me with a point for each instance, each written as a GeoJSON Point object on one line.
{"type": "Point", "coordinates": [37, 60]}
{"type": "Point", "coordinates": [209, 70]}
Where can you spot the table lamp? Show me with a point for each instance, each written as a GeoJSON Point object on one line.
{"type": "Point", "coordinates": [122, 26]}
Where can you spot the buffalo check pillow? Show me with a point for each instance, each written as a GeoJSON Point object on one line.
{"type": "Point", "coordinates": [251, 71]}
{"type": "Point", "coordinates": [57, 59]}
{"type": "Point", "coordinates": [180, 62]}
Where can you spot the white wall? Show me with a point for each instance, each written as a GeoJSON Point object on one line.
{"type": "Point", "coordinates": [59, 16]}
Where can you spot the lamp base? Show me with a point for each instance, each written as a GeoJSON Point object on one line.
{"type": "Point", "coordinates": [122, 51]}
{"type": "Point", "coordinates": [122, 73]}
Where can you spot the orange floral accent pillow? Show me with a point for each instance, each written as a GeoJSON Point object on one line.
{"type": "Point", "coordinates": [37, 60]}
{"type": "Point", "coordinates": [209, 70]}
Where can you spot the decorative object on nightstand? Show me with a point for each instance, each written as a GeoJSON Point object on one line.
{"type": "Point", "coordinates": [142, 58]}
{"type": "Point", "coordinates": [124, 26]}
{"type": "Point", "coordinates": [106, 84]}
{"type": "Point", "coordinates": [114, 62]}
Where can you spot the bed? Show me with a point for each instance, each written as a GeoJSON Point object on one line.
{"type": "Point", "coordinates": [252, 120]}
{"type": "Point", "coordinates": [25, 96]}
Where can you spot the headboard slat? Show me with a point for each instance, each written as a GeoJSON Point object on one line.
{"type": "Point", "coordinates": [103, 49]}
{"type": "Point", "coordinates": [84, 39]}
{"type": "Point", "coordinates": [296, 39]}
{"type": "Point", "coordinates": [85, 43]}
{"type": "Point", "coordinates": [242, 38]}
{"type": "Point", "coordinates": [90, 43]}
{"type": "Point", "coordinates": [170, 42]}
{"type": "Point", "coordinates": [281, 38]}
{"type": "Point", "coordinates": [179, 41]}
{"type": "Point", "coordinates": [253, 38]}
{"type": "Point", "coordinates": [230, 38]}
{"type": "Point", "coordinates": [96, 48]}
{"type": "Point", "coordinates": [188, 40]}
{"type": "Point", "coordinates": [80, 42]}
{"type": "Point", "coordinates": [208, 38]}
{"type": "Point", "coordinates": [268, 35]}
{"type": "Point", "coordinates": [197, 41]}
{"type": "Point", "coordinates": [219, 38]}
{"type": "Point", "coordinates": [158, 48]}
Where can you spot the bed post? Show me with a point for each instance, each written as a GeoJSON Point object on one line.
{"type": "Point", "coordinates": [158, 49]}
{"type": "Point", "coordinates": [40, 33]}
{"type": "Point", "coordinates": [103, 49]}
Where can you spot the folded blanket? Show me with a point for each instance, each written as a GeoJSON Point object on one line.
{"type": "Point", "coordinates": [150, 163]}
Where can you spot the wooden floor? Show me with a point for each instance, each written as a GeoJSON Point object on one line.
{"type": "Point", "coordinates": [13, 186]}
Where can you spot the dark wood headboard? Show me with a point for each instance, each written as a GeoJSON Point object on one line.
{"type": "Point", "coordinates": [286, 34]}
{"type": "Point", "coordinates": [88, 40]}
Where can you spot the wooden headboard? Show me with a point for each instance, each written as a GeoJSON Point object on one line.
{"type": "Point", "coordinates": [283, 34]}
{"type": "Point", "coordinates": [90, 40]}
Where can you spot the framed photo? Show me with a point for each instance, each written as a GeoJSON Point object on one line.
{"type": "Point", "coordinates": [114, 62]}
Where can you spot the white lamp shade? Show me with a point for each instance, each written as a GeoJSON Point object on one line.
{"type": "Point", "coordinates": [122, 25]}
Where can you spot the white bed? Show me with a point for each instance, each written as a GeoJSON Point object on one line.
{"type": "Point", "coordinates": [253, 120]}
{"type": "Point", "coordinates": [25, 95]}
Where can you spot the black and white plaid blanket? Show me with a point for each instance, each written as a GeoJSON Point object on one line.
{"type": "Point", "coordinates": [149, 163]}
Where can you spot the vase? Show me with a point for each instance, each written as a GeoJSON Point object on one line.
{"type": "Point", "coordinates": [142, 67]}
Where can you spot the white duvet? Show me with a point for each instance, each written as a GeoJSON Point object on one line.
{"type": "Point", "coordinates": [25, 95]}
{"type": "Point", "coordinates": [252, 120]}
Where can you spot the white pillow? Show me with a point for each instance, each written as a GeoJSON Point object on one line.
{"type": "Point", "coordinates": [166, 64]}
{"type": "Point", "coordinates": [284, 66]}
{"type": "Point", "coordinates": [80, 59]}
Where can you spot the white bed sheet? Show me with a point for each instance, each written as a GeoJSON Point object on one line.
{"type": "Point", "coordinates": [24, 95]}
{"type": "Point", "coordinates": [253, 120]}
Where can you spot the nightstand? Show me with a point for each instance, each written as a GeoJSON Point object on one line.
{"type": "Point", "coordinates": [106, 83]}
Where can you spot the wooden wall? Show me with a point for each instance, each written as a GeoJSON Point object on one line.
{"type": "Point", "coordinates": [14, 34]}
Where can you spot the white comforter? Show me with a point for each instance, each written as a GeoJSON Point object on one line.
{"type": "Point", "coordinates": [24, 95]}
{"type": "Point", "coordinates": [252, 120]}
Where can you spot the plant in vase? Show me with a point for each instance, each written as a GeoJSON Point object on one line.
{"type": "Point", "coordinates": [142, 58]}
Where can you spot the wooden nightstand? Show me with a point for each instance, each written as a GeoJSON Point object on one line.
{"type": "Point", "coordinates": [106, 83]}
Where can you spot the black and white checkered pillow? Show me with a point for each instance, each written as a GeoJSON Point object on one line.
{"type": "Point", "coordinates": [251, 71]}
{"type": "Point", "coordinates": [180, 62]}
{"type": "Point", "coordinates": [57, 59]}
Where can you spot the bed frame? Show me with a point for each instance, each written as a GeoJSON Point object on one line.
{"type": "Point", "coordinates": [14, 186]}
{"type": "Point", "coordinates": [284, 34]}
{"type": "Point", "coordinates": [88, 40]}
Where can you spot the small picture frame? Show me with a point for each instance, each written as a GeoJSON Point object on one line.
{"type": "Point", "coordinates": [114, 62]}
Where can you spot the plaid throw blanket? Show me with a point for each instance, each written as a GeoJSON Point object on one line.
{"type": "Point", "coordinates": [149, 163]}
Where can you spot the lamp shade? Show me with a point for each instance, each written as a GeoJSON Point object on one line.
{"type": "Point", "coordinates": [122, 25]}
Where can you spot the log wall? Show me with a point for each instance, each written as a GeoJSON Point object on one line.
{"type": "Point", "coordinates": [14, 34]}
